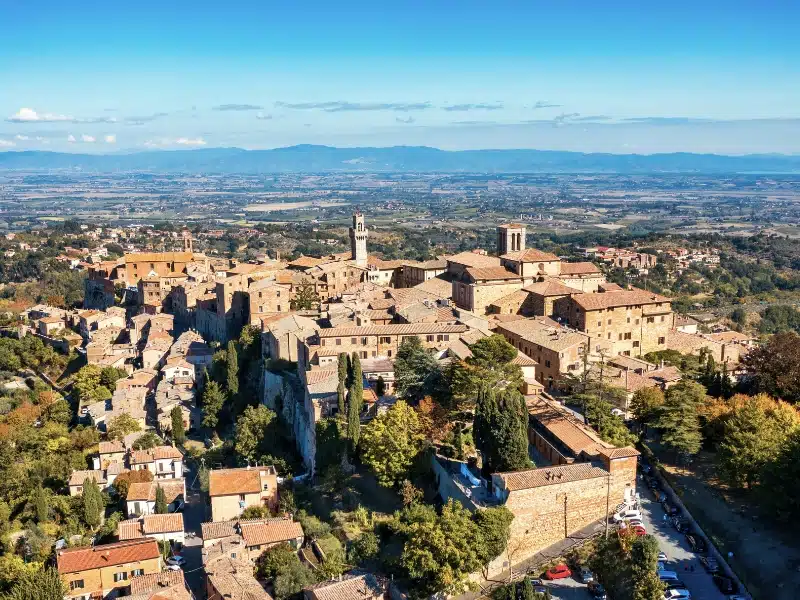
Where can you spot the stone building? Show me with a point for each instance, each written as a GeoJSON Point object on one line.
{"type": "Point", "coordinates": [358, 240]}
{"type": "Point", "coordinates": [233, 490]}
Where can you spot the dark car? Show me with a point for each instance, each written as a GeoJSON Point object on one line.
{"type": "Point", "coordinates": [682, 525]}
{"type": "Point", "coordinates": [672, 511]}
{"type": "Point", "coordinates": [538, 586]}
{"type": "Point", "coordinates": [597, 591]}
{"type": "Point", "coordinates": [709, 564]}
{"type": "Point", "coordinates": [726, 585]}
{"type": "Point", "coordinates": [696, 543]}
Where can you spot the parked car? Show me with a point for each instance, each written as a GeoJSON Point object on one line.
{"type": "Point", "coordinates": [586, 575]}
{"type": "Point", "coordinates": [558, 572]}
{"type": "Point", "coordinates": [178, 561]}
{"type": "Point", "coordinates": [672, 511]}
{"type": "Point", "coordinates": [696, 543]}
{"type": "Point", "coordinates": [680, 594]}
{"type": "Point", "coordinates": [709, 564]}
{"type": "Point", "coordinates": [662, 557]}
{"type": "Point", "coordinates": [639, 530]}
{"type": "Point", "coordinates": [674, 584]}
{"type": "Point", "coordinates": [726, 585]}
{"type": "Point", "coordinates": [597, 591]}
{"type": "Point", "coordinates": [627, 514]}
{"type": "Point", "coordinates": [668, 576]}
{"type": "Point", "coordinates": [173, 567]}
{"type": "Point", "coordinates": [680, 524]}
{"type": "Point", "coordinates": [538, 586]}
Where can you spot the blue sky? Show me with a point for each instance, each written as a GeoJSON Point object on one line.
{"type": "Point", "coordinates": [608, 76]}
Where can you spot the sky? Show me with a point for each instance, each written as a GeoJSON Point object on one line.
{"type": "Point", "coordinates": [612, 76]}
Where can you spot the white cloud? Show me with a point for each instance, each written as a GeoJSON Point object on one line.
{"type": "Point", "coordinates": [190, 142]}
{"type": "Point", "coordinates": [71, 139]}
{"type": "Point", "coordinates": [6, 144]}
{"type": "Point", "coordinates": [28, 115]}
{"type": "Point", "coordinates": [111, 139]}
{"type": "Point", "coordinates": [262, 117]}
{"type": "Point", "coordinates": [89, 139]}
{"type": "Point", "coordinates": [21, 138]}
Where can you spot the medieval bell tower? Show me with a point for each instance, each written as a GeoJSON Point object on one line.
{"type": "Point", "coordinates": [358, 240]}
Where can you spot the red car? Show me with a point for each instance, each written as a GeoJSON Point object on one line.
{"type": "Point", "coordinates": [558, 572]}
{"type": "Point", "coordinates": [639, 530]}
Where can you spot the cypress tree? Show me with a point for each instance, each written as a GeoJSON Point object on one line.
{"type": "Point", "coordinates": [340, 397]}
{"type": "Point", "coordinates": [232, 363]}
{"type": "Point", "coordinates": [178, 430]}
{"type": "Point", "coordinates": [353, 419]}
{"type": "Point", "coordinates": [41, 505]}
{"type": "Point", "coordinates": [343, 368]}
{"type": "Point", "coordinates": [357, 384]}
{"type": "Point", "coordinates": [161, 501]}
{"type": "Point", "coordinates": [92, 502]}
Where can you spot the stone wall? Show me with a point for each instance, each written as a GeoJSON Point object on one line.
{"type": "Point", "coordinates": [283, 393]}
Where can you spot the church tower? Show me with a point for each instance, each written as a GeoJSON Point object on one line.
{"type": "Point", "coordinates": [187, 241]}
{"type": "Point", "coordinates": [358, 240]}
{"type": "Point", "coordinates": [510, 238]}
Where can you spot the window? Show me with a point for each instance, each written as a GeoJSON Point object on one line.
{"type": "Point", "coordinates": [599, 323]}
{"type": "Point", "coordinates": [338, 341]}
{"type": "Point", "coordinates": [278, 294]}
{"type": "Point", "coordinates": [120, 577]}
{"type": "Point", "coordinates": [259, 294]}
{"type": "Point", "coordinates": [363, 354]}
{"type": "Point", "coordinates": [322, 342]}
{"type": "Point", "coordinates": [241, 497]}
{"type": "Point", "coordinates": [385, 340]}
{"type": "Point", "coordinates": [266, 485]}
{"type": "Point", "coordinates": [662, 319]}
{"type": "Point", "coordinates": [353, 341]}
{"type": "Point", "coordinates": [279, 308]}
{"type": "Point", "coordinates": [137, 572]}
{"type": "Point", "coordinates": [364, 341]}
{"type": "Point", "coordinates": [76, 585]}
{"type": "Point", "coordinates": [628, 336]}
{"type": "Point", "coordinates": [547, 363]}
{"type": "Point", "coordinates": [429, 338]}
{"type": "Point", "coordinates": [651, 319]}
{"type": "Point", "coordinates": [609, 321]}
{"type": "Point", "coordinates": [637, 321]}
{"type": "Point", "coordinates": [662, 340]}
{"type": "Point", "coordinates": [619, 337]}
{"type": "Point", "coordinates": [609, 335]}
{"type": "Point", "coordinates": [626, 353]}
{"type": "Point", "coordinates": [629, 320]}
{"type": "Point", "coordinates": [635, 344]}
{"type": "Point", "coordinates": [233, 554]}
{"type": "Point", "coordinates": [389, 353]}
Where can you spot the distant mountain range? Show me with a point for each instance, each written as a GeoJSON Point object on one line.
{"type": "Point", "coordinates": [309, 158]}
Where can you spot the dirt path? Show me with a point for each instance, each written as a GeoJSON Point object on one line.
{"type": "Point", "coordinates": [767, 561]}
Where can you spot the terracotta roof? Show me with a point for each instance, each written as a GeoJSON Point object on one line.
{"type": "Point", "coordinates": [386, 330]}
{"type": "Point", "coordinates": [575, 436]}
{"type": "Point", "coordinates": [544, 334]}
{"type": "Point", "coordinates": [224, 482]}
{"type": "Point", "coordinates": [217, 530]}
{"type": "Point", "coordinates": [614, 453]}
{"type": "Point", "coordinates": [78, 477]}
{"type": "Point", "coordinates": [620, 298]}
{"type": "Point", "coordinates": [139, 457]}
{"type": "Point", "coordinates": [75, 560]}
{"type": "Point", "coordinates": [141, 584]}
{"type": "Point", "coordinates": [158, 257]}
{"type": "Point", "coordinates": [271, 532]}
{"type": "Point", "coordinates": [579, 268]}
{"type": "Point", "coordinates": [730, 336]}
{"type": "Point", "coordinates": [491, 273]}
{"type": "Point", "coordinates": [534, 478]}
{"type": "Point", "coordinates": [382, 303]}
{"type": "Point", "coordinates": [111, 447]}
{"type": "Point", "coordinates": [550, 288]}
{"type": "Point", "coordinates": [349, 587]}
{"type": "Point", "coordinates": [131, 529]}
{"type": "Point", "coordinates": [472, 259]}
{"type": "Point", "coordinates": [238, 586]}
{"type": "Point", "coordinates": [167, 523]}
{"type": "Point", "coordinates": [523, 360]}
{"type": "Point", "coordinates": [379, 315]}
{"type": "Point", "coordinates": [307, 262]}
{"type": "Point", "coordinates": [437, 286]}
{"type": "Point", "coordinates": [146, 491]}
{"type": "Point", "coordinates": [319, 375]}
{"type": "Point", "coordinates": [530, 255]}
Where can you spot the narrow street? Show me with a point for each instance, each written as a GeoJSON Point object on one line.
{"type": "Point", "coordinates": [193, 515]}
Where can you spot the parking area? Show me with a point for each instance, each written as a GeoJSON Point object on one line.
{"type": "Point", "coordinates": [680, 558]}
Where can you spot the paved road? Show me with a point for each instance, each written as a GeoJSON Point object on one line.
{"type": "Point", "coordinates": [672, 543]}
{"type": "Point", "coordinates": [193, 515]}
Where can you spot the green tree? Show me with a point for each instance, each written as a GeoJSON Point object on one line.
{"type": "Point", "coordinates": [643, 563]}
{"type": "Point", "coordinates": [490, 365]}
{"type": "Point", "coordinates": [87, 387]}
{"type": "Point", "coordinates": [147, 441]}
{"type": "Point", "coordinates": [178, 430]}
{"type": "Point", "coordinates": [494, 526]}
{"type": "Point", "coordinates": [121, 426]}
{"type": "Point", "coordinates": [232, 369]}
{"type": "Point", "coordinates": [353, 418]}
{"type": "Point", "coordinates": [754, 434]}
{"type": "Point", "coordinates": [341, 399]}
{"type": "Point", "coordinates": [343, 368]}
{"type": "Point", "coordinates": [440, 551]}
{"type": "Point", "coordinates": [305, 298]}
{"type": "Point", "coordinates": [391, 442]}
{"type": "Point", "coordinates": [646, 403]}
{"type": "Point", "coordinates": [213, 401]}
{"type": "Point", "coordinates": [380, 386]}
{"type": "Point", "coordinates": [109, 377]}
{"type": "Point", "coordinates": [12, 569]}
{"type": "Point", "coordinates": [252, 428]}
{"type": "Point", "coordinates": [292, 579]}
{"type": "Point", "coordinates": [92, 501]}
{"type": "Point", "coordinates": [41, 505]}
{"type": "Point", "coordinates": [275, 560]}
{"type": "Point", "coordinates": [357, 377]}
{"type": "Point", "coordinates": [38, 585]}
{"type": "Point", "coordinates": [416, 370]}
{"type": "Point", "coordinates": [161, 501]}
{"type": "Point", "coordinates": [501, 430]}
{"type": "Point", "coordinates": [774, 367]}
{"type": "Point", "coordinates": [678, 418]}
{"type": "Point", "coordinates": [527, 589]}
{"type": "Point", "coordinates": [611, 428]}
{"type": "Point", "coordinates": [364, 548]}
